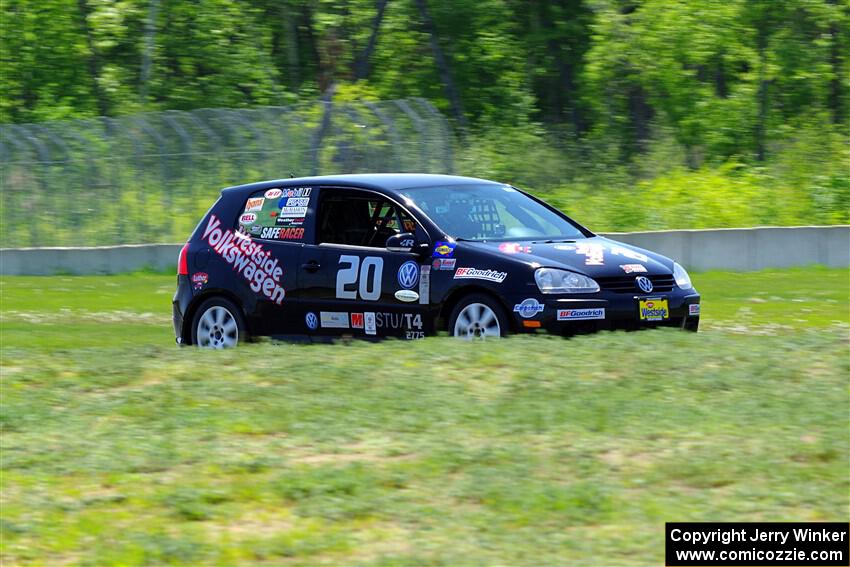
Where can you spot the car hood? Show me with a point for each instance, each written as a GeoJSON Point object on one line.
{"type": "Point", "coordinates": [595, 257]}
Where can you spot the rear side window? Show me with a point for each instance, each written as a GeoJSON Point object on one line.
{"type": "Point", "coordinates": [277, 214]}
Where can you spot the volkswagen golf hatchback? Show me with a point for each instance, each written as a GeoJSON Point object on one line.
{"type": "Point", "coordinates": [407, 256]}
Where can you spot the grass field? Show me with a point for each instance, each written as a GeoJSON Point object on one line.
{"type": "Point", "coordinates": [119, 448]}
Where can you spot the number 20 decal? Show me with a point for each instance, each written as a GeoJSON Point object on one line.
{"type": "Point", "coordinates": [349, 275]}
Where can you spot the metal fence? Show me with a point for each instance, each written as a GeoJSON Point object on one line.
{"type": "Point", "coordinates": [149, 177]}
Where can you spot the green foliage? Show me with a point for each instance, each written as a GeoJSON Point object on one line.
{"type": "Point", "coordinates": [121, 449]}
{"type": "Point", "coordinates": [733, 112]}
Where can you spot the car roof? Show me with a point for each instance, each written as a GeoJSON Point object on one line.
{"type": "Point", "coordinates": [385, 181]}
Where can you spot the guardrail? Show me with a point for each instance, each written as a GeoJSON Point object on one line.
{"type": "Point", "coordinates": [736, 249]}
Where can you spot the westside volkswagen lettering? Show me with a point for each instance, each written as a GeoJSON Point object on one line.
{"type": "Point", "coordinates": [409, 256]}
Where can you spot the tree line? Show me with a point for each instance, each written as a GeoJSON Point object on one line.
{"type": "Point", "coordinates": [718, 78]}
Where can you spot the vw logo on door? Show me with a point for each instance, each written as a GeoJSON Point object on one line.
{"type": "Point", "coordinates": [312, 321]}
{"type": "Point", "coordinates": [644, 284]}
{"type": "Point", "coordinates": [408, 274]}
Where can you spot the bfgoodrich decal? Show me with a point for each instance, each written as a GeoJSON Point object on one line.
{"type": "Point", "coordinates": [580, 314]}
{"type": "Point", "coordinates": [248, 258]}
{"type": "Point", "coordinates": [476, 274]}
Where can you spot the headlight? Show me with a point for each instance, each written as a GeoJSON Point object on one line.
{"type": "Point", "coordinates": [550, 280]}
{"type": "Point", "coordinates": [683, 280]}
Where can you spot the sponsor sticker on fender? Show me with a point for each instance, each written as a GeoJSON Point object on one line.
{"type": "Point", "coordinates": [406, 295]}
{"type": "Point", "coordinates": [248, 258]}
{"type": "Point", "coordinates": [357, 321]}
{"type": "Point", "coordinates": [476, 274]}
{"type": "Point", "coordinates": [693, 309]}
{"type": "Point", "coordinates": [580, 314]}
{"type": "Point", "coordinates": [199, 280]}
{"type": "Point", "coordinates": [443, 249]}
{"type": "Point", "coordinates": [443, 264]}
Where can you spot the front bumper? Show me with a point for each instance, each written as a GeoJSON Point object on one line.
{"type": "Point", "coordinates": [608, 311]}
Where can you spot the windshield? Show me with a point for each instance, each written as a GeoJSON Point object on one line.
{"type": "Point", "coordinates": [491, 212]}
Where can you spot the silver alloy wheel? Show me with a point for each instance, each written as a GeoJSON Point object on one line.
{"type": "Point", "coordinates": [217, 328]}
{"type": "Point", "coordinates": [476, 320]}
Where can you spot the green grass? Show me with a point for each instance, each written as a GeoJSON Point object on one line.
{"type": "Point", "coordinates": [119, 448]}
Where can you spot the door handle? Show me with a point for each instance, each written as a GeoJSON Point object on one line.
{"type": "Point", "coordinates": [311, 266]}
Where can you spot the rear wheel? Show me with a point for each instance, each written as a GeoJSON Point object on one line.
{"type": "Point", "coordinates": [218, 324]}
{"type": "Point", "coordinates": [478, 316]}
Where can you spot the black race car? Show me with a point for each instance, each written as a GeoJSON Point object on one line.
{"type": "Point", "coordinates": [408, 255]}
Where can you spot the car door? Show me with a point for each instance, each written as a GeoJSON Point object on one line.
{"type": "Point", "coordinates": [278, 221]}
{"type": "Point", "coordinates": [350, 283]}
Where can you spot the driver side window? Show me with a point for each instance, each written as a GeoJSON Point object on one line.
{"type": "Point", "coordinates": [357, 218]}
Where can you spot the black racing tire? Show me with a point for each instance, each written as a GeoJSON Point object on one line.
{"type": "Point", "coordinates": [218, 323]}
{"type": "Point", "coordinates": [478, 316]}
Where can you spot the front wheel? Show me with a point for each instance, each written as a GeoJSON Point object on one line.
{"type": "Point", "coordinates": [478, 316]}
{"type": "Point", "coordinates": [218, 324]}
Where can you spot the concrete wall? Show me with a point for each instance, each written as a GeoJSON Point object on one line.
{"type": "Point", "coordinates": [748, 249]}
{"type": "Point", "coordinates": [739, 249]}
{"type": "Point", "coordinates": [95, 260]}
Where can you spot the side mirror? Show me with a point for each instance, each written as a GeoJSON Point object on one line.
{"type": "Point", "coordinates": [402, 242]}
{"type": "Point", "coordinates": [407, 242]}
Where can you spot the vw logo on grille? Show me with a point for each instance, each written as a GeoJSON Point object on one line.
{"type": "Point", "coordinates": [644, 284]}
{"type": "Point", "coordinates": [408, 274]}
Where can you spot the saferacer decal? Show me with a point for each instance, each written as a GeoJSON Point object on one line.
{"type": "Point", "coordinates": [247, 258]}
{"type": "Point", "coordinates": [279, 233]}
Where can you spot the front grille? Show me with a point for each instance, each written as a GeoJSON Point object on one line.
{"type": "Point", "coordinates": [626, 284]}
